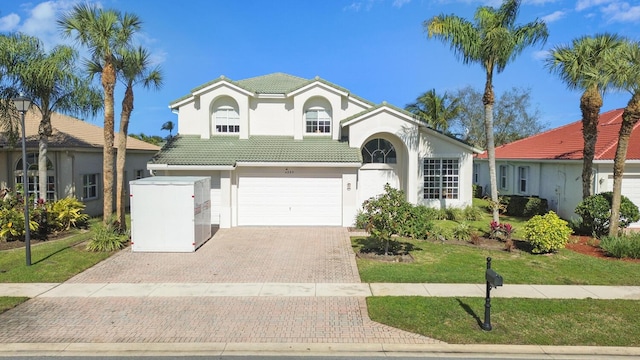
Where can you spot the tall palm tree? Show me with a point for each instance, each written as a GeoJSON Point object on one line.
{"type": "Point", "coordinates": [627, 77]}
{"type": "Point", "coordinates": [168, 126]}
{"type": "Point", "coordinates": [52, 82]}
{"type": "Point", "coordinates": [435, 110]}
{"type": "Point", "coordinates": [104, 33]}
{"type": "Point", "coordinates": [492, 41]}
{"type": "Point", "coordinates": [583, 65]}
{"type": "Point", "coordinates": [134, 65]}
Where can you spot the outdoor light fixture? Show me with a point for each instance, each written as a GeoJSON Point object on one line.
{"type": "Point", "coordinates": [22, 104]}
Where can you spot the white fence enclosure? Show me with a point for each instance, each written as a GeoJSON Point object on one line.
{"type": "Point", "coordinates": [170, 213]}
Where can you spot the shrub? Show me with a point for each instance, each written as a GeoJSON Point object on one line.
{"type": "Point", "coordinates": [440, 233]}
{"type": "Point", "coordinates": [477, 191]}
{"type": "Point", "coordinates": [418, 224]}
{"type": "Point", "coordinates": [106, 238]}
{"type": "Point", "coordinates": [362, 220]}
{"type": "Point", "coordinates": [387, 212]}
{"type": "Point", "coordinates": [462, 232]}
{"type": "Point", "coordinates": [65, 213]}
{"type": "Point", "coordinates": [500, 231]}
{"type": "Point", "coordinates": [524, 206]}
{"type": "Point", "coordinates": [12, 224]}
{"type": "Point", "coordinates": [595, 212]}
{"type": "Point", "coordinates": [454, 213]}
{"type": "Point", "coordinates": [472, 213]}
{"type": "Point", "coordinates": [546, 233]}
{"type": "Point", "coordinates": [475, 238]}
{"type": "Point", "coordinates": [624, 246]}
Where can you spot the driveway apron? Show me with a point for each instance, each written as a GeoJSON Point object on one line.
{"type": "Point", "coordinates": [238, 255]}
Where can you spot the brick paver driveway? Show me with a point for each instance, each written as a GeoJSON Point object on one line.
{"type": "Point", "coordinates": [238, 255]}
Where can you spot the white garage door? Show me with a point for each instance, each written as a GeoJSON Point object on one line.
{"type": "Point", "coordinates": [295, 199]}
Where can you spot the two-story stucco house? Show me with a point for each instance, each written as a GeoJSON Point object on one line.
{"type": "Point", "coordinates": [283, 150]}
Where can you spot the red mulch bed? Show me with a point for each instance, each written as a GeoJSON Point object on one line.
{"type": "Point", "coordinates": [589, 246]}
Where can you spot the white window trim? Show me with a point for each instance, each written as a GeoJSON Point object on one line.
{"type": "Point", "coordinates": [503, 175]}
{"type": "Point", "coordinates": [523, 175]}
{"type": "Point", "coordinates": [33, 177]}
{"type": "Point", "coordinates": [442, 184]}
{"type": "Point", "coordinates": [86, 187]}
{"type": "Point", "coordinates": [328, 118]}
{"type": "Point", "coordinates": [226, 120]}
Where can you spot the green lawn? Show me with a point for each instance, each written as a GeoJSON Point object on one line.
{"type": "Point", "coordinates": [7, 303]}
{"type": "Point", "coordinates": [437, 262]}
{"type": "Point", "coordinates": [514, 321]}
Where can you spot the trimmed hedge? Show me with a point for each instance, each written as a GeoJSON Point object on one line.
{"type": "Point", "coordinates": [524, 206]}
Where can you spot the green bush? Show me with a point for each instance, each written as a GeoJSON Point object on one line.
{"type": "Point", "coordinates": [546, 233]}
{"type": "Point", "coordinates": [106, 238]}
{"type": "Point", "coordinates": [624, 246]}
{"type": "Point", "coordinates": [477, 191]}
{"type": "Point", "coordinates": [387, 213]}
{"type": "Point", "coordinates": [440, 233]}
{"type": "Point", "coordinates": [472, 213]}
{"type": "Point", "coordinates": [524, 206]}
{"type": "Point", "coordinates": [462, 232]}
{"type": "Point", "coordinates": [418, 224]}
{"type": "Point", "coordinates": [454, 213]}
{"type": "Point", "coordinates": [12, 224]}
{"type": "Point", "coordinates": [595, 212]}
{"type": "Point", "coordinates": [362, 220]}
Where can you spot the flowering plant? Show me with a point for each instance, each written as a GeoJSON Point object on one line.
{"type": "Point", "coordinates": [501, 231]}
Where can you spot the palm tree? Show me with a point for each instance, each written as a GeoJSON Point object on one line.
{"type": "Point", "coordinates": [51, 81]}
{"type": "Point", "coordinates": [169, 127]}
{"type": "Point", "coordinates": [104, 33]}
{"type": "Point", "coordinates": [435, 110]}
{"type": "Point", "coordinates": [492, 41]}
{"type": "Point", "coordinates": [134, 66]}
{"type": "Point", "coordinates": [583, 65]}
{"type": "Point", "coordinates": [627, 77]}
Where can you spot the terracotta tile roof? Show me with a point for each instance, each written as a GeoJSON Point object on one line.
{"type": "Point", "coordinates": [69, 132]}
{"type": "Point", "coordinates": [565, 142]}
{"type": "Point", "coordinates": [228, 150]}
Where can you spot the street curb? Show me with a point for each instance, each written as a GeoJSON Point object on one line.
{"type": "Point", "coordinates": [150, 349]}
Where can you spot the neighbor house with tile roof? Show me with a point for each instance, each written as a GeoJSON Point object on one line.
{"type": "Point", "coordinates": [284, 150]}
{"type": "Point", "coordinates": [74, 166]}
{"type": "Point", "coordinates": [549, 165]}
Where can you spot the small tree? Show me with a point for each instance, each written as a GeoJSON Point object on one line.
{"type": "Point", "coordinates": [386, 212]}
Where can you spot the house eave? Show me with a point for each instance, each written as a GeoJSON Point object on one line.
{"type": "Point", "coordinates": [299, 164]}
{"type": "Point", "coordinates": [189, 167]}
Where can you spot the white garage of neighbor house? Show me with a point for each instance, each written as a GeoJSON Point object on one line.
{"type": "Point", "coordinates": [549, 165]}
{"type": "Point", "coordinates": [283, 150]}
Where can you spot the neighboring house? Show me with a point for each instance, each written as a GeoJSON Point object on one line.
{"type": "Point", "coordinates": [74, 166]}
{"type": "Point", "coordinates": [549, 165]}
{"type": "Point", "coordinates": [283, 150]}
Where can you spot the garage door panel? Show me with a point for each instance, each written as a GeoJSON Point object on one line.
{"type": "Point", "coordinates": [275, 200]}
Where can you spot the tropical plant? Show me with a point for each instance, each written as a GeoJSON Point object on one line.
{"type": "Point", "coordinates": [135, 68]}
{"type": "Point", "coordinates": [435, 110]}
{"type": "Point", "coordinates": [492, 41]}
{"type": "Point", "coordinates": [106, 238]}
{"type": "Point", "coordinates": [628, 78]}
{"type": "Point", "coordinates": [66, 213]}
{"type": "Point", "coordinates": [462, 231]}
{"type": "Point", "coordinates": [52, 82]}
{"type": "Point", "coordinates": [587, 64]}
{"type": "Point", "coordinates": [168, 126]}
{"type": "Point", "coordinates": [104, 33]}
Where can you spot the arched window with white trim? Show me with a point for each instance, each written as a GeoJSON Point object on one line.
{"type": "Point", "coordinates": [33, 177]}
{"type": "Point", "coordinates": [225, 116]}
{"type": "Point", "coordinates": [379, 151]}
{"type": "Point", "coordinates": [317, 116]}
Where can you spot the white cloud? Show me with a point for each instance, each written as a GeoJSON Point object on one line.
{"type": "Point", "coordinates": [540, 54]}
{"type": "Point", "coordinates": [621, 12]}
{"type": "Point", "coordinates": [9, 22]}
{"type": "Point", "coordinates": [554, 16]}
{"type": "Point", "coordinates": [585, 4]}
{"type": "Point", "coordinates": [400, 3]}
{"type": "Point", "coordinates": [41, 21]}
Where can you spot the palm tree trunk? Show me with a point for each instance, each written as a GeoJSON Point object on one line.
{"type": "Point", "coordinates": [488, 99]}
{"type": "Point", "coordinates": [108, 84]}
{"type": "Point", "coordinates": [590, 104]}
{"type": "Point", "coordinates": [44, 131]}
{"type": "Point", "coordinates": [127, 108]}
{"type": "Point", "coordinates": [630, 118]}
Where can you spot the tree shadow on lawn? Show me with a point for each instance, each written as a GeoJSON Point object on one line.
{"type": "Point", "coordinates": [372, 245]}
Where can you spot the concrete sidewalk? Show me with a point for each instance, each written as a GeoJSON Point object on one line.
{"type": "Point", "coordinates": [100, 290]}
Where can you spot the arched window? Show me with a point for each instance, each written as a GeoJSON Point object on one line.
{"type": "Point", "coordinates": [318, 121]}
{"type": "Point", "coordinates": [226, 119]}
{"type": "Point", "coordinates": [378, 151]}
{"type": "Point", "coordinates": [33, 177]}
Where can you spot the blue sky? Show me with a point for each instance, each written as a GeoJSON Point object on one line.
{"type": "Point", "coordinates": [375, 48]}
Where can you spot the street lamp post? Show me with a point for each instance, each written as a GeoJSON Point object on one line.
{"type": "Point", "coordinates": [22, 104]}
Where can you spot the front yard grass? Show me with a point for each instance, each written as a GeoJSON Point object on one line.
{"type": "Point", "coordinates": [515, 321]}
{"type": "Point", "coordinates": [436, 262]}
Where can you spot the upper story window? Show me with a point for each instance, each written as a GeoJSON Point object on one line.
{"type": "Point", "coordinates": [226, 120]}
{"type": "Point", "coordinates": [317, 121]}
{"type": "Point", "coordinates": [379, 151]}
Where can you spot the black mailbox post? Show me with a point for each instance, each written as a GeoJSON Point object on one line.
{"type": "Point", "coordinates": [493, 280]}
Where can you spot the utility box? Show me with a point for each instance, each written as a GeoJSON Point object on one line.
{"type": "Point", "coordinates": [170, 213]}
